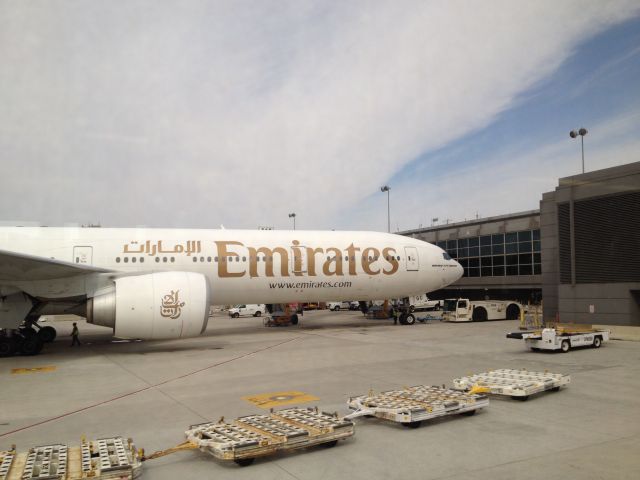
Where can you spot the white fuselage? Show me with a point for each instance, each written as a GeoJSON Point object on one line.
{"type": "Point", "coordinates": [241, 266]}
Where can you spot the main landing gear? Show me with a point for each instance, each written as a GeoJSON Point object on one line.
{"type": "Point", "coordinates": [26, 340]}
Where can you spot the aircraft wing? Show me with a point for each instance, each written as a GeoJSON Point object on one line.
{"type": "Point", "coordinates": [17, 267]}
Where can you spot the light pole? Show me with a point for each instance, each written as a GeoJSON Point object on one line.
{"type": "Point", "coordinates": [582, 132]}
{"type": "Point", "coordinates": [293, 215]}
{"type": "Point", "coordinates": [386, 188]}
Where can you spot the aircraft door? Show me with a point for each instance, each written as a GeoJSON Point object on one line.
{"type": "Point", "coordinates": [83, 255]}
{"type": "Point", "coordinates": [412, 258]}
{"type": "Point", "coordinates": [299, 260]}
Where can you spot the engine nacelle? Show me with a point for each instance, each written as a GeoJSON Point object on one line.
{"type": "Point", "coordinates": [155, 306]}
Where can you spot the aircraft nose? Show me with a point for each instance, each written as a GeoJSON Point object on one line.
{"type": "Point", "coordinates": [459, 271]}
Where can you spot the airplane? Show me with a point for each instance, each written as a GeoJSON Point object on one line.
{"type": "Point", "coordinates": [152, 283]}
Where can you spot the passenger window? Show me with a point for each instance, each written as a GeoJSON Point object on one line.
{"type": "Point", "coordinates": [215, 259]}
{"type": "Point", "coordinates": [209, 259]}
{"type": "Point", "coordinates": [133, 260]}
{"type": "Point", "coordinates": [141, 259]}
{"type": "Point", "coordinates": [126, 259]}
{"type": "Point", "coordinates": [157, 259]}
{"type": "Point", "coordinates": [462, 304]}
{"type": "Point", "coordinates": [164, 259]}
{"type": "Point", "coordinates": [244, 259]}
{"type": "Point", "coordinates": [173, 259]}
{"type": "Point", "coordinates": [195, 259]}
{"type": "Point", "coordinates": [117, 259]}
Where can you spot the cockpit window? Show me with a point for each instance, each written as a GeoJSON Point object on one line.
{"type": "Point", "coordinates": [446, 256]}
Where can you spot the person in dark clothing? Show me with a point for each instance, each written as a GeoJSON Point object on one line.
{"type": "Point", "coordinates": [74, 335]}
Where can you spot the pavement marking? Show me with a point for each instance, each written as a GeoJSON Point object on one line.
{"type": "Point", "coordinates": [277, 399]}
{"type": "Point", "coordinates": [46, 368]}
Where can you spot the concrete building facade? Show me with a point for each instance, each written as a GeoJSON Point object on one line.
{"type": "Point", "coordinates": [590, 234]}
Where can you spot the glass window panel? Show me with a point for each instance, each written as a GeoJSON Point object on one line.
{"type": "Point", "coordinates": [463, 252]}
{"type": "Point", "coordinates": [537, 270]}
{"type": "Point", "coordinates": [486, 272]}
{"type": "Point", "coordinates": [465, 273]}
{"type": "Point", "coordinates": [536, 245]}
{"type": "Point", "coordinates": [512, 270]}
{"type": "Point", "coordinates": [474, 262]}
{"type": "Point", "coordinates": [511, 237]}
{"type": "Point", "coordinates": [474, 242]}
{"type": "Point", "coordinates": [485, 261]}
{"type": "Point", "coordinates": [464, 262]}
{"type": "Point", "coordinates": [442, 244]}
{"type": "Point", "coordinates": [474, 272]}
{"type": "Point", "coordinates": [524, 259]}
{"type": "Point", "coordinates": [499, 260]}
{"type": "Point", "coordinates": [511, 259]}
{"type": "Point", "coordinates": [511, 248]}
{"type": "Point", "coordinates": [526, 270]}
{"type": "Point", "coordinates": [474, 251]}
{"type": "Point", "coordinates": [524, 236]}
{"type": "Point", "coordinates": [497, 249]}
{"type": "Point", "coordinates": [485, 250]}
{"type": "Point", "coordinates": [536, 234]}
{"type": "Point", "coordinates": [498, 271]}
{"type": "Point", "coordinates": [485, 240]}
{"type": "Point", "coordinates": [524, 247]}
{"type": "Point", "coordinates": [463, 242]}
{"type": "Point", "coordinates": [497, 238]}
{"type": "Point", "coordinates": [453, 253]}
{"type": "Point", "coordinates": [536, 258]}
{"type": "Point", "coordinates": [452, 244]}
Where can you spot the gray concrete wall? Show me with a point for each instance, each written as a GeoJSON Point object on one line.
{"type": "Point", "coordinates": [613, 303]}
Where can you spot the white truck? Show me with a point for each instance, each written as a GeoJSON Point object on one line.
{"type": "Point", "coordinates": [418, 303]}
{"type": "Point", "coordinates": [465, 310]}
{"type": "Point", "coordinates": [249, 309]}
{"type": "Point", "coordinates": [336, 306]}
{"type": "Point", "coordinates": [562, 338]}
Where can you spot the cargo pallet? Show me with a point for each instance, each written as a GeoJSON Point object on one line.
{"type": "Point", "coordinates": [259, 435]}
{"type": "Point", "coordinates": [412, 405]}
{"type": "Point", "coordinates": [104, 459]}
{"type": "Point", "coordinates": [518, 384]}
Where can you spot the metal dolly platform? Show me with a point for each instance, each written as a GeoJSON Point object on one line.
{"type": "Point", "coordinates": [104, 459]}
{"type": "Point", "coordinates": [411, 405]}
{"type": "Point", "coordinates": [518, 384]}
{"type": "Point", "coordinates": [260, 435]}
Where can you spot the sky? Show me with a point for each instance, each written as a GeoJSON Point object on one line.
{"type": "Point", "coordinates": [238, 113]}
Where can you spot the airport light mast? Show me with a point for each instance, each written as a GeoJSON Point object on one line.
{"type": "Point", "coordinates": [293, 215]}
{"type": "Point", "coordinates": [386, 188]}
{"type": "Point", "coordinates": [582, 132]}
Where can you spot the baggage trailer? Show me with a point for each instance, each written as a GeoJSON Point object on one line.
{"type": "Point", "coordinates": [104, 459]}
{"type": "Point", "coordinates": [260, 435]}
{"type": "Point", "coordinates": [412, 405]}
{"type": "Point", "coordinates": [518, 384]}
{"type": "Point", "coordinates": [562, 337]}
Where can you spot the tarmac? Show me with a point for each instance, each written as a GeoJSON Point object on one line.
{"type": "Point", "coordinates": [153, 391]}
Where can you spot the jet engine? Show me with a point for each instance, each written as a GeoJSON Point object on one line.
{"type": "Point", "coordinates": [154, 306]}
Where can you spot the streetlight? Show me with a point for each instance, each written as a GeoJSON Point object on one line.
{"type": "Point", "coordinates": [386, 188]}
{"type": "Point", "coordinates": [582, 132]}
{"type": "Point", "coordinates": [293, 215]}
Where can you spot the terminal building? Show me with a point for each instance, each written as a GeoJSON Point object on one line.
{"type": "Point", "coordinates": [501, 256]}
{"type": "Point", "coordinates": [580, 253]}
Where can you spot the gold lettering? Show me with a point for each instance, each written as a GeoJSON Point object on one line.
{"type": "Point", "coordinates": [369, 256]}
{"type": "Point", "coordinates": [336, 259]}
{"type": "Point", "coordinates": [297, 259]}
{"type": "Point", "coordinates": [389, 255]}
{"type": "Point", "coordinates": [268, 264]}
{"type": "Point", "coordinates": [351, 251]}
{"type": "Point", "coordinates": [223, 253]}
{"type": "Point", "coordinates": [311, 260]}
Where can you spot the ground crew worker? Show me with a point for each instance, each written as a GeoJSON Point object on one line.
{"type": "Point", "coordinates": [395, 313]}
{"type": "Point", "coordinates": [74, 335]}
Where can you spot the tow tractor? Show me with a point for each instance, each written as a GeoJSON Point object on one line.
{"type": "Point", "coordinates": [562, 337]}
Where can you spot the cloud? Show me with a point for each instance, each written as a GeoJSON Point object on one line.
{"type": "Point", "coordinates": [241, 112]}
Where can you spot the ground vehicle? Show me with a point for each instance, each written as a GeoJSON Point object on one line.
{"type": "Point", "coordinates": [283, 314]}
{"type": "Point", "coordinates": [465, 310]}
{"type": "Point", "coordinates": [421, 302]}
{"type": "Point", "coordinates": [562, 337]}
{"type": "Point", "coordinates": [354, 305]}
{"type": "Point", "coordinates": [247, 309]}
{"type": "Point", "coordinates": [335, 306]}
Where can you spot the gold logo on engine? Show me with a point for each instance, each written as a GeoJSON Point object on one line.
{"type": "Point", "coordinates": [171, 305]}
